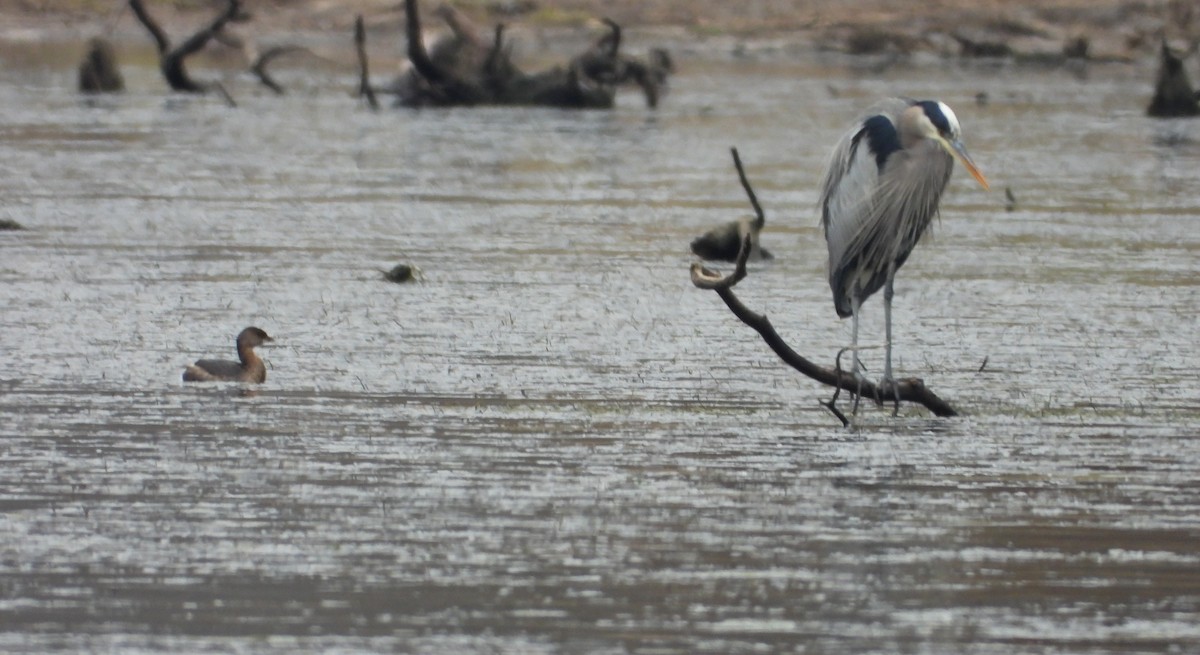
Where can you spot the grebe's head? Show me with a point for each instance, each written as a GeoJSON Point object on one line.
{"type": "Point", "coordinates": [253, 337]}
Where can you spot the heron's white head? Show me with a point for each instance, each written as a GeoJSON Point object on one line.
{"type": "Point", "coordinates": [932, 119]}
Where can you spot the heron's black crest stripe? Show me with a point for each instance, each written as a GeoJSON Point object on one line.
{"type": "Point", "coordinates": [934, 112]}
{"type": "Point", "coordinates": [882, 138]}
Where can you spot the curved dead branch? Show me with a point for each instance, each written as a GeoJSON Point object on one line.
{"type": "Point", "coordinates": [171, 60]}
{"type": "Point", "coordinates": [911, 390]}
{"type": "Point", "coordinates": [259, 67]}
{"type": "Point", "coordinates": [161, 41]}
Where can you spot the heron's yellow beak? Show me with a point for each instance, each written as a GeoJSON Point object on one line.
{"type": "Point", "coordinates": [959, 152]}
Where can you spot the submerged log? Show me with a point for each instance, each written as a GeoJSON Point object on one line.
{"type": "Point", "coordinates": [464, 68]}
{"type": "Point", "coordinates": [446, 80]}
{"type": "Point", "coordinates": [98, 73]}
{"type": "Point", "coordinates": [1173, 93]}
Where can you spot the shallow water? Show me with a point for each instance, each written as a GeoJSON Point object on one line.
{"type": "Point", "coordinates": [555, 444]}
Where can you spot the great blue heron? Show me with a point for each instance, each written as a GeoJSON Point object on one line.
{"type": "Point", "coordinates": [885, 178]}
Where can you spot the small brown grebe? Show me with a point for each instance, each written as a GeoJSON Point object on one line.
{"type": "Point", "coordinates": [250, 369]}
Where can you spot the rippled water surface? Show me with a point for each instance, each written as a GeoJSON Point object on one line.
{"type": "Point", "coordinates": [555, 444]}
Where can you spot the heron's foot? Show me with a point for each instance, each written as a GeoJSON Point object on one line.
{"type": "Point", "coordinates": [886, 384]}
{"type": "Point", "coordinates": [888, 389]}
{"type": "Point", "coordinates": [854, 367]}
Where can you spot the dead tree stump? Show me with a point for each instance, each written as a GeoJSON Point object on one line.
{"type": "Point", "coordinates": [98, 72]}
{"type": "Point", "coordinates": [465, 69]}
{"type": "Point", "coordinates": [1173, 92]}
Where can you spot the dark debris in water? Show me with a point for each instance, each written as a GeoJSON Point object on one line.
{"type": "Point", "coordinates": [9, 224]}
{"type": "Point", "coordinates": [401, 273]}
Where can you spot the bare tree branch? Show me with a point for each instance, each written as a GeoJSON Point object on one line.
{"type": "Point", "coordinates": [259, 67]}
{"type": "Point", "coordinates": [223, 92]}
{"type": "Point", "coordinates": [458, 90]}
{"type": "Point", "coordinates": [725, 242]}
{"type": "Point", "coordinates": [156, 32]}
{"type": "Point", "coordinates": [906, 390]}
{"type": "Point", "coordinates": [171, 61]}
{"type": "Point", "coordinates": [364, 76]}
{"type": "Point", "coordinates": [758, 210]}
{"type": "Point", "coordinates": [615, 43]}
{"type": "Point", "coordinates": [196, 42]}
{"type": "Point", "coordinates": [491, 65]}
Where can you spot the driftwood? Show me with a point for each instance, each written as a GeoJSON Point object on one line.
{"type": "Point", "coordinates": [604, 62]}
{"type": "Point", "coordinates": [905, 390]}
{"type": "Point", "coordinates": [446, 80]}
{"type": "Point", "coordinates": [1173, 93]}
{"type": "Point", "coordinates": [466, 68]}
{"type": "Point", "coordinates": [171, 60]}
{"type": "Point", "coordinates": [98, 73]}
{"type": "Point", "coordinates": [724, 243]}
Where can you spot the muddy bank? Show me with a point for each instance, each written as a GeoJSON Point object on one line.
{"type": "Point", "coordinates": [1114, 29]}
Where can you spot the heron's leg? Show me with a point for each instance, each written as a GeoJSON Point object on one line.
{"type": "Point", "coordinates": [855, 365]}
{"type": "Point", "coordinates": [888, 292]}
{"type": "Point", "coordinates": [887, 326]}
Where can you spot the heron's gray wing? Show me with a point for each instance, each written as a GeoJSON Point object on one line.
{"type": "Point", "coordinates": [904, 203]}
{"type": "Point", "coordinates": [855, 164]}
{"type": "Point", "coordinates": [849, 192]}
